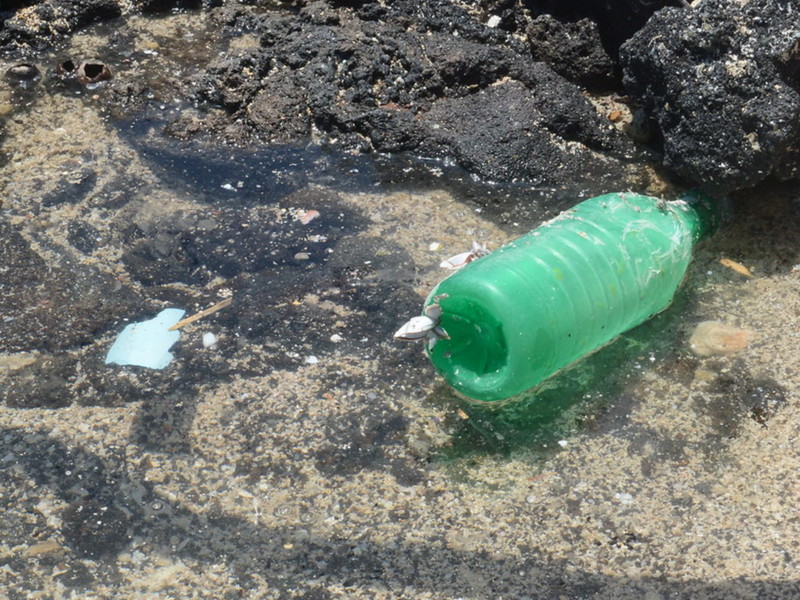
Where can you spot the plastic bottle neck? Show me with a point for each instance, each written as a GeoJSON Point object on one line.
{"type": "Point", "coordinates": [707, 215]}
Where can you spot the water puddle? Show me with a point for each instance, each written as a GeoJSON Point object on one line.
{"type": "Point", "coordinates": [304, 453]}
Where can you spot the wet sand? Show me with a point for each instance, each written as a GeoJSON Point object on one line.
{"type": "Point", "coordinates": [338, 476]}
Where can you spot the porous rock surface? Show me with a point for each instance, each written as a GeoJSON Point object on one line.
{"type": "Point", "coordinates": [721, 80]}
{"type": "Point", "coordinates": [424, 77]}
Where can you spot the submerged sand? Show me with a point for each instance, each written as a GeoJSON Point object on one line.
{"type": "Point", "coordinates": [347, 475]}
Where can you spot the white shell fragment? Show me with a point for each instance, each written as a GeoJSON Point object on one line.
{"type": "Point", "coordinates": [416, 328]}
{"type": "Point", "coordinates": [147, 344]}
{"type": "Point", "coordinates": [209, 340]}
{"type": "Point", "coordinates": [307, 216]}
{"type": "Point", "coordinates": [464, 258]}
{"type": "Point", "coordinates": [493, 21]}
{"type": "Point", "coordinates": [424, 327]}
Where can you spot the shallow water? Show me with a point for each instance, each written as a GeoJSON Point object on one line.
{"type": "Point", "coordinates": [306, 454]}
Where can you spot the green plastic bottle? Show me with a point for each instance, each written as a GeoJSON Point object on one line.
{"type": "Point", "coordinates": [516, 317]}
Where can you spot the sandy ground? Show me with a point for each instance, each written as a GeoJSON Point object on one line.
{"type": "Point", "coordinates": [353, 476]}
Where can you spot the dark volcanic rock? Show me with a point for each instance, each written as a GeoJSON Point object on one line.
{"type": "Point", "coordinates": [44, 23]}
{"type": "Point", "coordinates": [423, 77]}
{"type": "Point", "coordinates": [617, 20]}
{"type": "Point", "coordinates": [573, 50]}
{"type": "Point", "coordinates": [50, 20]}
{"type": "Point", "coordinates": [503, 133]}
{"type": "Point", "coordinates": [722, 82]}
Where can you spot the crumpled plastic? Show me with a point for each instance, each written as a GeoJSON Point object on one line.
{"type": "Point", "coordinates": [147, 343]}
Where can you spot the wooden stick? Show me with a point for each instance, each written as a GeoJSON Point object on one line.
{"type": "Point", "coordinates": [201, 314]}
{"type": "Point", "coordinates": [735, 266]}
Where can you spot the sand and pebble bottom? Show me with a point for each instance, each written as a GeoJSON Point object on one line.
{"type": "Point", "coordinates": [336, 478]}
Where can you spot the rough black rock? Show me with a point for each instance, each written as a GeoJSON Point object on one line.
{"type": "Point", "coordinates": [722, 82]}
{"type": "Point", "coordinates": [617, 20]}
{"type": "Point", "coordinates": [44, 23]}
{"type": "Point", "coordinates": [426, 77]}
{"type": "Point", "coordinates": [574, 50]}
{"type": "Point", "coordinates": [435, 78]}
{"type": "Point", "coordinates": [48, 21]}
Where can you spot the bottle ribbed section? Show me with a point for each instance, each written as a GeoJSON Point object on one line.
{"type": "Point", "coordinates": [575, 283]}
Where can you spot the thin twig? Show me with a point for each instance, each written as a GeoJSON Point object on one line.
{"type": "Point", "coordinates": [201, 314]}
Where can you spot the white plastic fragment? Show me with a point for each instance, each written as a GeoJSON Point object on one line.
{"type": "Point", "coordinates": [563, 443]}
{"type": "Point", "coordinates": [311, 360]}
{"type": "Point", "coordinates": [209, 340]}
{"type": "Point", "coordinates": [147, 344]}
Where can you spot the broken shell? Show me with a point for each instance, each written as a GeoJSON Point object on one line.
{"type": "Point", "coordinates": [307, 216]}
{"type": "Point", "coordinates": [434, 311]}
{"type": "Point", "coordinates": [23, 74]}
{"type": "Point", "coordinates": [416, 328]}
{"type": "Point", "coordinates": [93, 72]}
{"type": "Point", "coordinates": [459, 260]}
{"type": "Point", "coordinates": [66, 69]}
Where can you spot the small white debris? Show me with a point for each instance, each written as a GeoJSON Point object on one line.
{"type": "Point", "coordinates": [530, 499]}
{"type": "Point", "coordinates": [228, 186]}
{"type": "Point", "coordinates": [434, 246]}
{"type": "Point", "coordinates": [302, 256]}
{"type": "Point", "coordinates": [307, 216]}
{"type": "Point", "coordinates": [624, 498]}
{"type": "Point", "coordinates": [563, 443]}
{"type": "Point", "coordinates": [416, 328]}
{"type": "Point", "coordinates": [311, 360]}
{"type": "Point", "coordinates": [493, 21]}
{"type": "Point", "coordinates": [459, 260]}
{"type": "Point", "coordinates": [209, 340]}
{"type": "Point", "coordinates": [336, 338]}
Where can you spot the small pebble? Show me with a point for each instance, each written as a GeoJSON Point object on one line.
{"type": "Point", "coordinates": [493, 21]}
{"type": "Point", "coordinates": [714, 338]}
{"type": "Point", "coordinates": [336, 338]}
{"type": "Point", "coordinates": [302, 256]}
{"type": "Point", "coordinates": [44, 548]}
{"type": "Point", "coordinates": [624, 498]}
{"type": "Point", "coordinates": [563, 443]}
{"type": "Point", "coordinates": [311, 360]}
{"type": "Point", "coordinates": [209, 340]}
